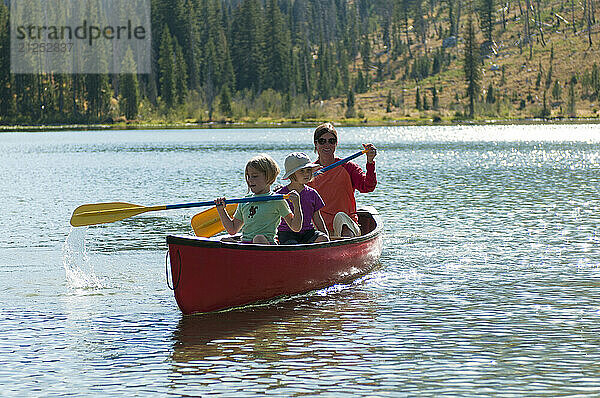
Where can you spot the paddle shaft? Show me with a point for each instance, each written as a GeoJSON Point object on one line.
{"type": "Point", "coordinates": [342, 161]}
{"type": "Point", "coordinates": [101, 213]}
{"type": "Point", "coordinates": [181, 205]}
{"type": "Point", "coordinates": [227, 201]}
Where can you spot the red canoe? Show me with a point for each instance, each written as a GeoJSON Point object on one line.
{"type": "Point", "coordinates": [209, 275]}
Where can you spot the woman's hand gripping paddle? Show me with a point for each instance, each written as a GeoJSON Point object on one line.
{"type": "Point", "coordinates": [208, 223]}
{"type": "Point", "coordinates": [102, 213]}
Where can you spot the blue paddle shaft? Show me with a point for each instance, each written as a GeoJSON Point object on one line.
{"type": "Point", "coordinates": [259, 198]}
{"type": "Point", "coordinates": [212, 203]}
{"type": "Point", "coordinates": [331, 166]}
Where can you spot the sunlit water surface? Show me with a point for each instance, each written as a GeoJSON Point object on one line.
{"type": "Point", "coordinates": [489, 282]}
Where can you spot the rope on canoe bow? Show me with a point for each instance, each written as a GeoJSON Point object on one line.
{"type": "Point", "coordinates": [167, 270]}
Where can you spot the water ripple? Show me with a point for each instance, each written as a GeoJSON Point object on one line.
{"type": "Point", "coordinates": [488, 282]}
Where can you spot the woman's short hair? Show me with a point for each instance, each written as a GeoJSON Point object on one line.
{"type": "Point", "coordinates": [323, 129]}
{"type": "Point", "coordinates": [265, 164]}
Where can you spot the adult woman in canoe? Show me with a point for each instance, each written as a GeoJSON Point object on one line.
{"type": "Point", "coordinates": [337, 186]}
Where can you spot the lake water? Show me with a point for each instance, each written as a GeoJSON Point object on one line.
{"type": "Point", "coordinates": [489, 283]}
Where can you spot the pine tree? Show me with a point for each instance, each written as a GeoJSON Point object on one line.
{"type": "Point", "coordinates": [192, 44]}
{"type": "Point", "coordinates": [435, 98]}
{"type": "Point", "coordinates": [418, 99]}
{"type": "Point", "coordinates": [379, 76]}
{"type": "Point", "coordinates": [556, 91]}
{"type": "Point", "coordinates": [24, 89]}
{"type": "Point", "coordinates": [389, 102]}
{"type": "Point", "coordinates": [549, 77]}
{"type": "Point", "coordinates": [77, 96]}
{"type": "Point", "coordinates": [98, 93]}
{"type": "Point", "coordinates": [436, 67]}
{"type": "Point", "coordinates": [401, 98]}
{"type": "Point", "coordinates": [8, 104]}
{"type": "Point", "coordinates": [452, 6]}
{"type": "Point", "coordinates": [425, 102]}
{"type": "Point", "coordinates": [248, 46]}
{"type": "Point", "coordinates": [595, 80]}
{"type": "Point", "coordinates": [361, 86]}
{"type": "Point", "coordinates": [471, 65]}
{"type": "Point", "coordinates": [216, 58]}
{"type": "Point", "coordinates": [180, 75]}
{"type": "Point", "coordinates": [278, 43]}
{"type": "Point", "coordinates": [487, 18]}
{"type": "Point", "coordinates": [338, 85]}
{"type": "Point", "coordinates": [324, 82]}
{"type": "Point", "coordinates": [353, 31]}
{"type": "Point", "coordinates": [490, 97]}
{"type": "Point", "coordinates": [226, 73]}
{"type": "Point", "coordinates": [365, 54]}
{"type": "Point", "coordinates": [209, 75]}
{"type": "Point", "coordinates": [61, 83]}
{"type": "Point", "coordinates": [545, 110]}
{"type": "Point", "coordinates": [571, 105]}
{"type": "Point", "coordinates": [343, 67]}
{"type": "Point", "coordinates": [225, 103]}
{"type": "Point", "coordinates": [50, 96]}
{"type": "Point", "coordinates": [387, 35]}
{"type": "Point", "coordinates": [350, 105]}
{"type": "Point", "coordinates": [287, 103]}
{"type": "Point", "coordinates": [129, 89]}
{"type": "Point", "coordinates": [419, 22]}
{"type": "Point", "coordinates": [166, 69]}
{"type": "Point", "coordinates": [175, 18]}
{"type": "Point", "coordinates": [306, 72]}
{"type": "Point", "coordinates": [216, 67]}
{"type": "Point", "coordinates": [404, 12]}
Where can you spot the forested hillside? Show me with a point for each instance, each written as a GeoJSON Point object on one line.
{"type": "Point", "coordinates": [274, 60]}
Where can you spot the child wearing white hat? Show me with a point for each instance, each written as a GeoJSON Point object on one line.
{"type": "Point", "coordinates": [299, 169]}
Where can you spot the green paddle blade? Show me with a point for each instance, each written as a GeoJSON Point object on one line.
{"type": "Point", "coordinates": [102, 213]}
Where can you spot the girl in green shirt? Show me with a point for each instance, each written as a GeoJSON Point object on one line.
{"type": "Point", "coordinates": [259, 220]}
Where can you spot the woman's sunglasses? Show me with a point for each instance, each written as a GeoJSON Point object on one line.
{"type": "Point", "coordinates": [323, 141]}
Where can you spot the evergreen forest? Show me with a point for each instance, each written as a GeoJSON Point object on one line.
{"type": "Point", "coordinates": [343, 60]}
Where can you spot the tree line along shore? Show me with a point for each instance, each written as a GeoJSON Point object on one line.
{"type": "Point", "coordinates": [295, 62]}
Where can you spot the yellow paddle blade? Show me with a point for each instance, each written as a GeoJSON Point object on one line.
{"type": "Point", "coordinates": [208, 223]}
{"type": "Point", "coordinates": [101, 213]}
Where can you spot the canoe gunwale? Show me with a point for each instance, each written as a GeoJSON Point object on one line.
{"type": "Point", "coordinates": [209, 243]}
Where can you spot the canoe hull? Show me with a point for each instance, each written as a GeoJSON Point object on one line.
{"type": "Point", "coordinates": [209, 275]}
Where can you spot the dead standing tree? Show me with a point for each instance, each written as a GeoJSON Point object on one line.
{"type": "Point", "coordinates": [526, 31]}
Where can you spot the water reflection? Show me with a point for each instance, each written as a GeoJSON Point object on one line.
{"type": "Point", "coordinates": [272, 332]}
{"type": "Point", "coordinates": [489, 284]}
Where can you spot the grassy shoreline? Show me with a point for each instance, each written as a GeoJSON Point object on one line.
{"type": "Point", "coordinates": [291, 124]}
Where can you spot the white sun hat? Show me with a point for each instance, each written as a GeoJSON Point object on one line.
{"type": "Point", "coordinates": [296, 161]}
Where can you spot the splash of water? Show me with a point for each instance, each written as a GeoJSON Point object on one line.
{"type": "Point", "coordinates": [79, 270]}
